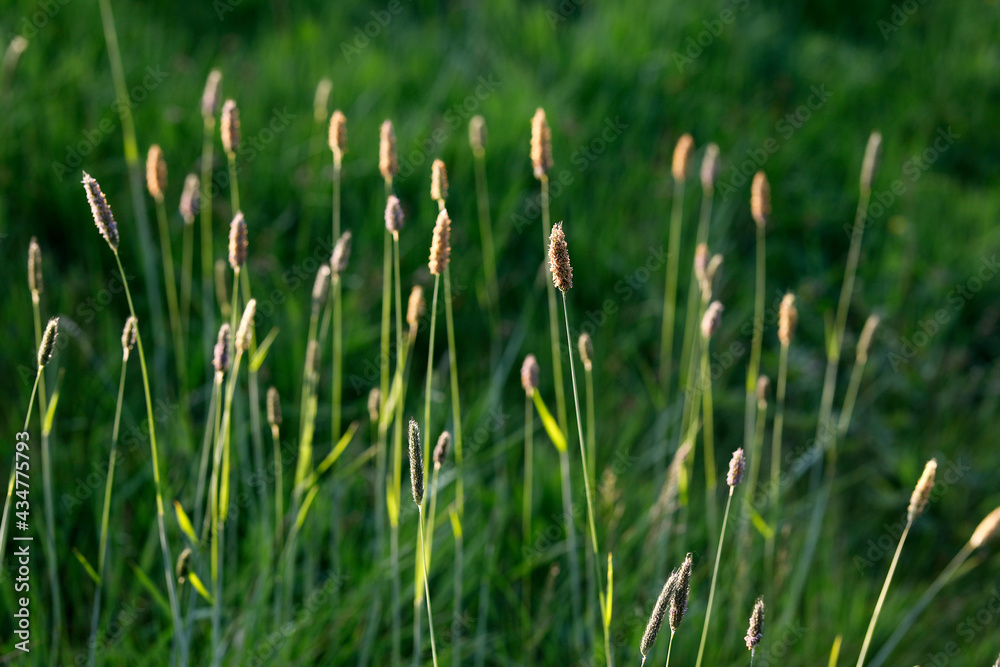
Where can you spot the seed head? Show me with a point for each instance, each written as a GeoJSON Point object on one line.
{"type": "Point", "coordinates": [321, 287]}
{"type": "Point", "coordinates": [416, 464]}
{"type": "Point", "coordinates": [763, 391]}
{"type": "Point", "coordinates": [714, 265]}
{"type": "Point", "coordinates": [245, 331]}
{"type": "Point", "coordinates": [709, 168]}
{"type": "Point", "coordinates": [760, 199]}
{"type": "Point", "coordinates": [701, 258]}
{"type": "Point", "coordinates": [99, 208]}
{"type": "Point", "coordinates": [439, 181]}
{"type": "Point", "coordinates": [393, 214]}
{"type": "Point", "coordinates": [755, 632]}
{"type": "Point", "coordinates": [440, 244]}
{"type": "Point", "coordinates": [388, 161]}
{"type": "Point", "coordinates": [562, 272]}
{"type": "Point", "coordinates": [529, 374]}
{"type": "Point", "coordinates": [48, 342]}
{"type": "Point", "coordinates": [35, 283]}
{"type": "Point", "coordinates": [273, 407]}
{"type": "Point", "coordinates": [736, 466]}
{"type": "Point", "coordinates": [129, 335]}
{"type": "Point", "coordinates": [220, 356]}
{"type": "Point", "coordinates": [477, 134]}
{"type": "Point", "coordinates": [441, 449]}
{"type": "Point", "coordinates": [210, 98]}
{"type": "Point", "coordinates": [321, 98]}
{"type": "Point", "coordinates": [190, 198]}
{"type": "Point", "coordinates": [156, 172]}
{"type": "Point", "coordinates": [415, 308]}
{"type": "Point", "coordinates": [873, 153]}
{"type": "Point", "coordinates": [183, 563]}
{"type": "Point", "coordinates": [922, 491]}
{"type": "Point", "coordinates": [986, 529]}
{"type": "Point", "coordinates": [682, 157]}
{"type": "Point", "coordinates": [238, 241]}
{"type": "Point", "coordinates": [338, 135]}
{"type": "Point", "coordinates": [712, 320]}
{"type": "Point", "coordinates": [541, 144]}
{"type": "Point", "coordinates": [788, 319]}
{"type": "Point", "coordinates": [679, 600]}
{"type": "Point", "coordinates": [656, 618]}
{"type": "Point", "coordinates": [586, 347]}
{"type": "Point", "coordinates": [230, 127]}
{"type": "Point", "coordinates": [374, 401]}
{"type": "Point", "coordinates": [341, 253]}
{"type": "Point", "coordinates": [865, 339]}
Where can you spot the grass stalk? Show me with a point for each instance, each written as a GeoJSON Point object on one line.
{"type": "Point", "coordinates": [553, 316]}
{"type": "Point", "coordinates": [708, 436]}
{"type": "Point", "coordinates": [885, 590]}
{"type": "Point", "coordinates": [13, 470]}
{"type": "Point", "coordinates": [173, 306]}
{"type": "Point", "coordinates": [338, 333]}
{"type": "Point", "coordinates": [670, 290]}
{"type": "Point", "coordinates": [486, 237]}
{"type": "Point", "coordinates": [670, 646]}
{"type": "Point", "coordinates": [574, 557]}
{"type": "Point", "coordinates": [774, 486]}
{"type": "Point", "coordinates": [526, 510]}
{"type": "Point", "coordinates": [715, 576]}
{"type": "Point", "coordinates": [753, 370]}
{"type": "Point", "coordinates": [207, 254]}
{"type": "Point", "coordinates": [427, 591]}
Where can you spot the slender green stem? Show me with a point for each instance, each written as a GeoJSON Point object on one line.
{"type": "Point", "coordinates": [670, 645]}
{"type": "Point", "coordinates": [574, 565]}
{"type": "Point", "coordinates": [279, 505]}
{"type": "Point", "coordinates": [430, 361]}
{"type": "Point", "coordinates": [486, 236]}
{"type": "Point", "coordinates": [173, 307]}
{"type": "Point", "coordinates": [885, 590]}
{"type": "Point", "coordinates": [209, 439]}
{"type": "Point", "coordinates": [207, 255]}
{"type": "Point", "coordinates": [670, 290]}
{"type": "Point", "coordinates": [427, 591]}
{"type": "Point", "coordinates": [456, 411]}
{"type": "Point", "coordinates": [715, 576]}
{"type": "Point", "coordinates": [690, 342]}
{"type": "Point", "coordinates": [753, 370]}
{"type": "Point", "coordinates": [338, 333]}
{"type": "Point", "coordinates": [708, 432]}
{"type": "Point", "coordinates": [187, 259]}
{"type": "Point", "coordinates": [553, 317]}
{"type": "Point", "coordinates": [234, 186]}
{"type": "Point", "coordinates": [844, 422]}
{"type": "Point", "coordinates": [527, 504]}
{"type": "Point", "coordinates": [756, 451]}
{"type": "Point", "coordinates": [775, 484]}
{"type": "Point", "coordinates": [10, 481]}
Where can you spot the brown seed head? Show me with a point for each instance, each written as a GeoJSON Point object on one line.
{"type": "Point", "coordinates": [210, 97]}
{"type": "Point", "coordinates": [586, 347]}
{"type": "Point", "coordinates": [679, 600]}
{"type": "Point", "coordinates": [714, 265]}
{"type": "Point", "coordinates": [99, 208]}
{"type": "Point", "coordinates": [529, 374]}
{"type": "Point", "coordinates": [190, 199]}
{"type": "Point", "coordinates": [865, 339]}
{"type": "Point", "coordinates": [709, 168]}
{"type": "Point", "coordinates": [321, 288]}
{"type": "Point", "coordinates": [156, 172]}
{"type": "Point", "coordinates": [760, 199]}
{"type": "Point", "coordinates": [562, 272]}
{"type": "Point", "coordinates": [763, 391]}
{"type": "Point", "coordinates": [922, 491]}
{"type": "Point", "coordinates": [220, 356]}
{"type": "Point", "coordinates": [245, 330]}
{"type": "Point", "coordinates": [441, 449]}
{"type": "Point", "coordinates": [48, 342]}
{"type": "Point", "coordinates": [35, 283]}
{"type": "Point", "coordinates": [393, 214]}
{"type": "Point", "coordinates": [238, 241]}
{"type": "Point", "coordinates": [682, 157]}
{"type": "Point", "coordinates": [788, 319]}
{"type": "Point", "coordinates": [321, 98]}
{"type": "Point", "coordinates": [183, 563]}
{"type": "Point", "coordinates": [439, 181]}
{"type": "Point", "coordinates": [388, 161]}
{"type": "Point", "coordinates": [129, 333]}
{"type": "Point", "coordinates": [273, 407]}
{"type": "Point", "coordinates": [230, 127]}
{"type": "Point", "coordinates": [986, 529]}
{"type": "Point", "coordinates": [755, 632]}
{"type": "Point", "coordinates": [416, 464]}
{"type": "Point", "coordinates": [374, 401]}
{"type": "Point", "coordinates": [477, 134]}
{"type": "Point", "coordinates": [873, 153]}
{"type": "Point", "coordinates": [736, 466]}
{"type": "Point", "coordinates": [440, 244]}
{"type": "Point", "coordinates": [338, 135]}
{"type": "Point", "coordinates": [415, 308]}
{"type": "Point", "coordinates": [656, 618]}
{"type": "Point", "coordinates": [712, 320]}
{"type": "Point", "coordinates": [341, 253]}
{"type": "Point", "coordinates": [541, 144]}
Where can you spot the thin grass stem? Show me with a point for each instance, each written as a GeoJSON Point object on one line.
{"type": "Point", "coordinates": [885, 590]}
{"type": "Point", "coordinates": [715, 576]}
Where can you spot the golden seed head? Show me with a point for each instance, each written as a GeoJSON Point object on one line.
{"type": "Point", "coordinates": [374, 401]}
{"type": "Point", "coordinates": [659, 611]}
{"type": "Point", "coordinates": [711, 320]}
{"type": "Point", "coordinates": [709, 168]}
{"type": "Point", "coordinates": [415, 308]}
{"type": "Point", "coordinates": [736, 465]}
{"type": "Point", "coordinates": [865, 339]}
{"type": "Point", "coordinates": [529, 374]}
{"type": "Point", "coordinates": [682, 157]}
{"type": "Point", "coordinates": [701, 258]}
{"type": "Point", "coordinates": [99, 208]}
{"type": "Point", "coordinates": [440, 244]}
{"type": "Point", "coordinates": [321, 98]}
{"type": "Point", "coordinates": [760, 199]}
{"type": "Point", "coordinates": [35, 283]}
{"type": "Point", "coordinates": [230, 127]}
{"type": "Point", "coordinates": [788, 319]}
{"type": "Point", "coordinates": [338, 135]}
{"type": "Point", "coordinates": [220, 356]}
{"type": "Point", "coordinates": [416, 463]}
{"type": "Point", "coordinates": [321, 287]}
{"type": "Point", "coordinates": [183, 563]}
{"type": "Point", "coordinates": [441, 449]}
{"type": "Point", "coordinates": [755, 632]}
{"type": "Point", "coordinates": [238, 241]}
{"type": "Point", "coordinates": [393, 214]}
{"type": "Point", "coordinates": [341, 253]}
{"type": "Point", "coordinates": [679, 600]}
{"type": "Point", "coordinates": [388, 161]}
{"type": "Point", "coordinates": [562, 271]}
{"type": "Point", "coordinates": [190, 198]}
{"type": "Point", "coordinates": [156, 172]}
{"type": "Point", "coordinates": [48, 342]}
{"type": "Point", "coordinates": [245, 330]}
{"type": "Point", "coordinates": [873, 153]}
{"type": "Point", "coordinates": [541, 144]}
{"type": "Point", "coordinates": [586, 347]}
{"type": "Point", "coordinates": [210, 97]}
{"type": "Point", "coordinates": [986, 530]}
{"type": "Point", "coordinates": [477, 134]}
{"type": "Point", "coordinates": [273, 407]}
{"type": "Point", "coordinates": [129, 333]}
{"type": "Point", "coordinates": [922, 491]}
{"type": "Point", "coordinates": [439, 181]}
{"type": "Point", "coordinates": [763, 391]}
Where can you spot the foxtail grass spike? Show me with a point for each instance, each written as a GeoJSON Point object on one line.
{"type": "Point", "coordinates": [788, 319]}
{"type": "Point", "coordinates": [701, 259]}
{"type": "Point", "coordinates": [712, 320]}
{"type": "Point", "coordinates": [869, 166]}
{"type": "Point", "coordinates": [760, 199]}
{"type": "Point", "coordinates": [238, 241]}
{"type": "Point", "coordinates": [321, 287]}
{"type": "Point", "coordinates": [659, 613]}
{"type": "Point", "coordinates": [48, 342]}
{"type": "Point", "coordinates": [763, 391]}
{"type": "Point", "coordinates": [374, 400]}
{"type": "Point", "coordinates": [541, 144]}
{"type": "Point", "coordinates": [529, 374]}
{"type": "Point", "coordinates": [586, 347]}
{"type": "Point", "coordinates": [388, 160]}
{"type": "Point", "coordinates": [986, 530]}
{"type": "Point", "coordinates": [440, 244]}
{"type": "Point", "coordinates": [35, 282]}
{"type": "Point", "coordinates": [183, 563]}
{"type": "Point", "coordinates": [682, 588]}
{"type": "Point", "coordinates": [416, 464]}
{"type": "Point", "coordinates": [415, 307]}
{"type": "Point", "coordinates": [273, 408]}
{"type": "Point", "coordinates": [220, 356]}
{"type": "Point", "coordinates": [129, 335]}
{"type": "Point", "coordinates": [477, 134]}
{"type": "Point", "coordinates": [321, 99]}
{"type": "Point", "coordinates": [922, 491]}
{"type": "Point", "coordinates": [229, 127]}
{"type": "Point", "coordinates": [338, 135]}
{"type": "Point", "coordinates": [245, 331]}
{"type": "Point", "coordinates": [755, 631]}
{"type": "Point", "coordinates": [682, 157]}
{"type": "Point", "coordinates": [393, 215]}
{"type": "Point", "coordinates": [709, 168]}
{"type": "Point", "coordinates": [210, 97]}
{"type": "Point", "coordinates": [439, 181]}
{"type": "Point", "coordinates": [99, 208]}
{"type": "Point", "coordinates": [736, 466]}
{"type": "Point", "coordinates": [190, 204]}
{"type": "Point", "coordinates": [562, 271]}
{"type": "Point", "coordinates": [156, 172]}
{"type": "Point", "coordinates": [441, 450]}
{"type": "Point", "coordinates": [341, 254]}
{"type": "Point", "coordinates": [865, 339]}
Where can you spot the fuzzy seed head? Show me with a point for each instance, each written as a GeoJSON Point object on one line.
{"type": "Point", "coordinates": [656, 618]}
{"type": "Point", "coordinates": [220, 356]}
{"type": "Point", "coordinates": [682, 157]}
{"type": "Point", "coordinates": [321, 287]}
{"type": "Point", "coordinates": [709, 168]}
{"type": "Point", "coordinates": [701, 259]}
{"type": "Point", "coordinates": [338, 135]}
{"type": "Point", "coordinates": [190, 198]}
{"type": "Point", "coordinates": [477, 134]}
{"type": "Point", "coordinates": [35, 283]}
{"type": "Point", "coordinates": [440, 244]}
{"type": "Point", "coordinates": [922, 491]}
{"type": "Point", "coordinates": [129, 333]}
{"type": "Point", "coordinates": [416, 464]}
{"type": "Point", "coordinates": [586, 347]}
{"type": "Point", "coordinates": [183, 563]}
{"type": "Point", "coordinates": [760, 199]}
{"type": "Point", "coordinates": [238, 241]}
{"type": "Point", "coordinates": [755, 632]}
{"type": "Point", "coordinates": [679, 600]}
{"type": "Point", "coordinates": [415, 308]}
{"type": "Point", "coordinates": [393, 214]}
{"type": "Point", "coordinates": [156, 172]}
{"type": "Point", "coordinates": [788, 319]}
{"type": "Point", "coordinates": [562, 272]}
{"type": "Point", "coordinates": [321, 98]}
{"type": "Point", "coordinates": [736, 466]}
{"type": "Point", "coordinates": [986, 530]}
{"type": "Point", "coordinates": [529, 374]}
{"type": "Point", "coordinates": [374, 401]}
{"type": "Point", "coordinates": [712, 320]}
{"type": "Point", "coordinates": [341, 253]}
{"type": "Point", "coordinates": [99, 208]}
{"type": "Point", "coordinates": [388, 161]}
{"type": "Point", "coordinates": [48, 342]}
{"type": "Point", "coordinates": [865, 339]}
{"type": "Point", "coordinates": [763, 391]}
{"type": "Point", "coordinates": [541, 144]}
{"type": "Point", "coordinates": [245, 331]}
{"type": "Point", "coordinates": [273, 407]}
{"type": "Point", "coordinates": [210, 97]}
{"type": "Point", "coordinates": [439, 181]}
{"type": "Point", "coordinates": [441, 449]}
{"type": "Point", "coordinates": [714, 265]}
{"type": "Point", "coordinates": [230, 127]}
{"type": "Point", "coordinates": [869, 166]}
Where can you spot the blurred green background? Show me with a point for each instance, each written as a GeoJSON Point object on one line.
{"type": "Point", "coordinates": [725, 72]}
